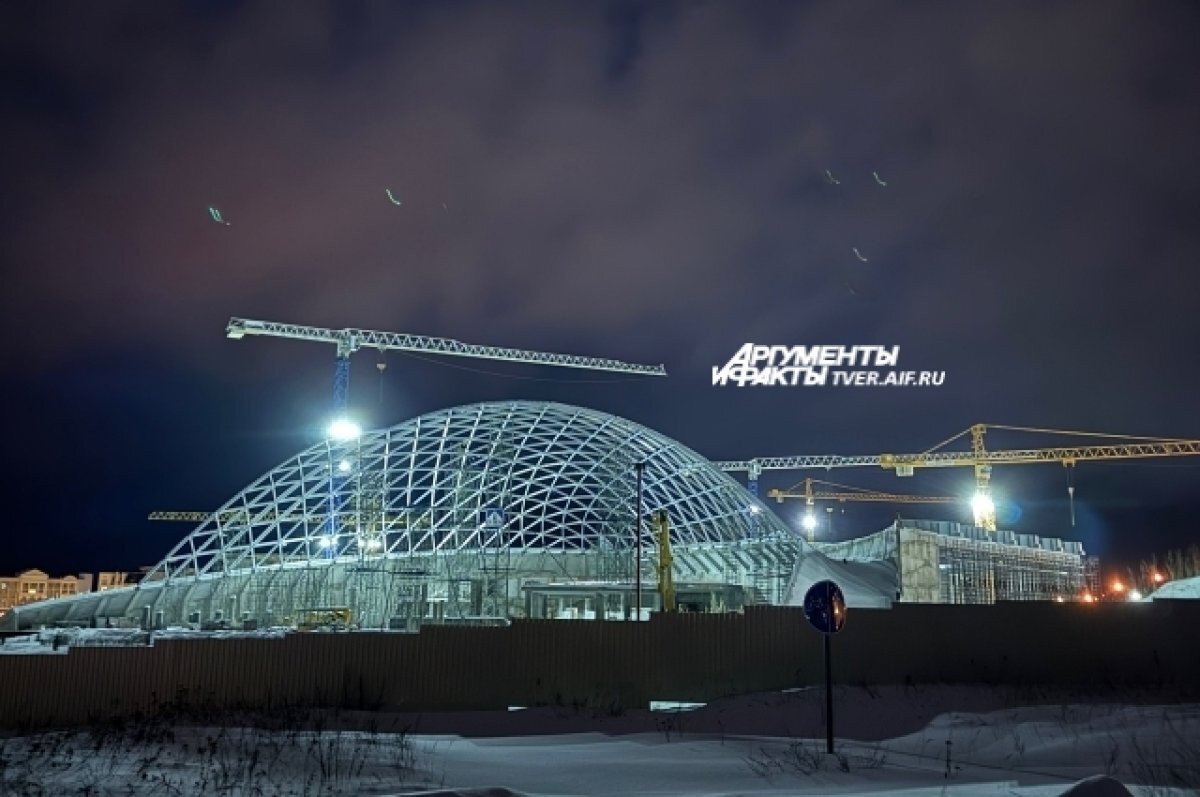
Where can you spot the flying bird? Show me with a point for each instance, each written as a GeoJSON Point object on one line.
{"type": "Point", "coordinates": [876, 174]}
{"type": "Point", "coordinates": [216, 216]}
{"type": "Point", "coordinates": [859, 256]}
{"type": "Point", "coordinates": [832, 180]}
{"type": "Point", "coordinates": [395, 201]}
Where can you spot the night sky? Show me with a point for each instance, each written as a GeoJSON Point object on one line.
{"type": "Point", "coordinates": [643, 181]}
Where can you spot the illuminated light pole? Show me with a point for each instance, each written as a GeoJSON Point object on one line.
{"type": "Point", "coordinates": [342, 432]}
{"type": "Point", "coordinates": [810, 524]}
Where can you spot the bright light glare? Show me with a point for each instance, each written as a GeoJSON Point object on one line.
{"type": "Point", "coordinates": [344, 429]}
{"type": "Point", "coordinates": [1158, 577]}
{"type": "Point", "coordinates": [982, 505]}
{"type": "Point", "coordinates": [1134, 595]}
{"type": "Point", "coordinates": [810, 522]}
{"type": "Point", "coordinates": [1087, 597]}
{"type": "Point", "coordinates": [1118, 586]}
{"type": "Point", "coordinates": [326, 542]}
{"type": "Point", "coordinates": [344, 466]}
{"type": "Point", "coordinates": [374, 544]}
{"type": "Point", "coordinates": [754, 510]}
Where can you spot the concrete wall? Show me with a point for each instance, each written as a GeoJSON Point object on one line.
{"type": "Point", "coordinates": [692, 657]}
{"type": "Point", "coordinates": [920, 579]}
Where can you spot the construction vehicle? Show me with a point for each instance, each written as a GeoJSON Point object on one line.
{"type": "Point", "coordinates": [337, 618]}
{"type": "Point", "coordinates": [666, 576]}
{"type": "Point", "coordinates": [1121, 447]}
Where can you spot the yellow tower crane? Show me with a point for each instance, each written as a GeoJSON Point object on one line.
{"type": "Point", "coordinates": [847, 493]}
{"type": "Point", "coordinates": [979, 457]}
{"type": "Point", "coordinates": [666, 576]}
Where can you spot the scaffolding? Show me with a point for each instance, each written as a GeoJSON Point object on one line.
{"type": "Point", "coordinates": [943, 562]}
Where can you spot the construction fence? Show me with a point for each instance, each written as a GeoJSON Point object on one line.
{"type": "Point", "coordinates": [613, 666]}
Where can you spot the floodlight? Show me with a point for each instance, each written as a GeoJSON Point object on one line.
{"type": "Point", "coordinates": [1134, 595]}
{"type": "Point", "coordinates": [344, 466]}
{"type": "Point", "coordinates": [982, 505]}
{"type": "Point", "coordinates": [344, 429]}
{"type": "Point", "coordinates": [810, 521]}
{"type": "Point", "coordinates": [327, 542]}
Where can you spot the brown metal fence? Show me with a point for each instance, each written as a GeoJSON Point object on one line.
{"type": "Point", "coordinates": [613, 665]}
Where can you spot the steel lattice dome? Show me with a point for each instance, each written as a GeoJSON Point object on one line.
{"type": "Point", "coordinates": [501, 475]}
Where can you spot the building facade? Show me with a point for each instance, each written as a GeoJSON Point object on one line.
{"type": "Point", "coordinates": [32, 586]}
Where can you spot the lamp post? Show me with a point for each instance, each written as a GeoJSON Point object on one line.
{"type": "Point", "coordinates": [638, 467]}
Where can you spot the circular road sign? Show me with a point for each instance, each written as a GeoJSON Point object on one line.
{"type": "Point", "coordinates": [825, 607]}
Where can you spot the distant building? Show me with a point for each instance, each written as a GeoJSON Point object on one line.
{"type": "Point", "coordinates": [114, 580]}
{"type": "Point", "coordinates": [31, 586]}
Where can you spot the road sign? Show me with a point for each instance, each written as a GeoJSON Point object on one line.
{"type": "Point", "coordinates": [493, 518]}
{"type": "Point", "coordinates": [825, 607]}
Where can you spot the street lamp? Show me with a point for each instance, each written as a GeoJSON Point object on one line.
{"type": "Point", "coordinates": [638, 467]}
{"type": "Point", "coordinates": [810, 524]}
{"type": "Point", "coordinates": [344, 430]}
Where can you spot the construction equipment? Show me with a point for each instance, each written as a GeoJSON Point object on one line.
{"type": "Point", "coordinates": [338, 618]}
{"type": "Point", "coordinates": [238, 516]}
{"type": "Point", "coordinates": [848, 493]}
{"type": "Point", "coordinates": [666, 576]}
{"type": "Point", "coordinates": [855, 494]}
{"type": "Point", "coordinates": [349, 341]}
{"type": "Point", "coordinates": [982, 459]}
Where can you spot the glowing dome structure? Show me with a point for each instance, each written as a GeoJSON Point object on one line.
{"type": "Point", "coordinates": [516, 475]}
{"type": "Point", "coordinates": [492, 510]}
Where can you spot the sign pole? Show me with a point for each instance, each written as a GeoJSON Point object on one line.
{"type": "Point", "coordinates": [825, 610]}
{"type": "Point", "coordinates": [828, 695]}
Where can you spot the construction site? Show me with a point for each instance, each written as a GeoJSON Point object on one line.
{"type": "Point", "coordinates": [484, 513]}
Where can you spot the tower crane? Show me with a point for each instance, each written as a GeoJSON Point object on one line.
{"type": "Point", "coordinates": [666, 573]}
{"type": "Point", "coordinates": [848, 493]}
{"type": "Point", "coordinates": [349, 341]}
{"type": "Point", "coordinates": [981, 459]}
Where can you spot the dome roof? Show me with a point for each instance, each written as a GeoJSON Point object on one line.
{"type": "Point", "coordinates": [512, 474]}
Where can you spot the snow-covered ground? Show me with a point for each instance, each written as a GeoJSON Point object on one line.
{"type": "Point", "coordinates": [896, 741]}
{"type": "Point", "coordinates": [59, 640]}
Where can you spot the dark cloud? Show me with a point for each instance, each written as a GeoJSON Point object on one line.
{"type": "Point", "coordinates": [634, 180]}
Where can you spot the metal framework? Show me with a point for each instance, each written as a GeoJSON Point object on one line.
{"type": "Point", "coordinates": [351, 340]}
{"type": "Point", "coordinates": [495, 476]}
{"type": "Point", "coordinates": [979, 458]}
{"type": "Point", "coordinates": [846, 493]}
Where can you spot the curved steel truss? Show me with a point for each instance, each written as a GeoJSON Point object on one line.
{"type": "Point", "coordinates": [505, 476]}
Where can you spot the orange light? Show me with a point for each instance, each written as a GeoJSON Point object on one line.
{"type": "Point", "coordinates": [1118, 586]}
{"type": "Point", "coordinates": [1158, 577]}
{"type": "Point", "coordinates": [1087, 597]}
